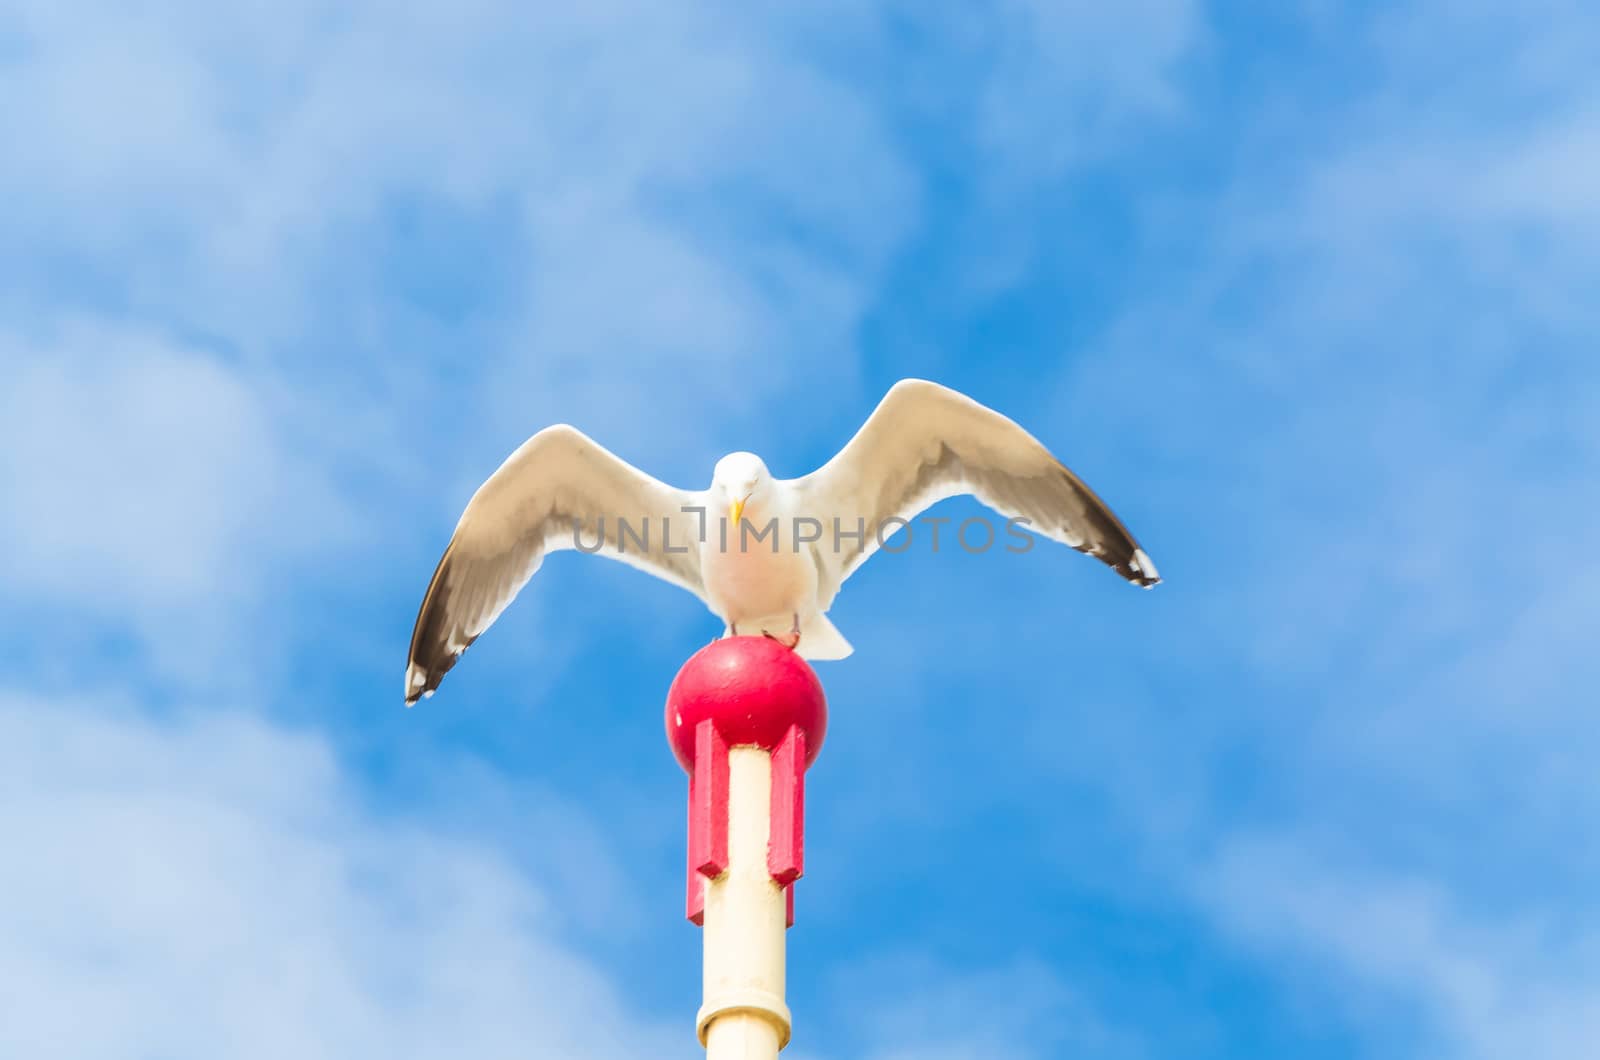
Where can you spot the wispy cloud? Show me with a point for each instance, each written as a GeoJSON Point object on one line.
{"type": "Point", "coordinates": [147, 473]}
{"type": "Point", "coordinates": [153, 493]}
{"type": "Point", "coordinates": [1308, 298]}
{"type": "Point", "coordinates": [216, 885]}
{"type": "Point", "coordinates": [1363, 427]}
{"type": "Point", "coordinates": [1489, 986]}
{"type": "Point", "coordinates": [905, 1005]}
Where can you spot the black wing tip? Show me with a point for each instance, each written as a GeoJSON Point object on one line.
{"type": "Point", "coordinates": [422, 679]}
{"type": "Point", "coordinates": [420, 682]}
{"type": "Point", "coordinates": [1140, 569]}
{"type": "Point", "coordinates": [1137, 567]}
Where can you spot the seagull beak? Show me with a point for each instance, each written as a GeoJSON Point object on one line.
{"type": "Point", "coordinates": [735, 510]}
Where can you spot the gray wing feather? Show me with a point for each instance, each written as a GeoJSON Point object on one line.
{"type": "Point", "coordinates": [925, 442]}
{"type": "Point", "coordinates": [558, 484]}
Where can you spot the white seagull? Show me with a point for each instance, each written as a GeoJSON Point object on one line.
{"type": "Point", "coordinates": [765, 555]}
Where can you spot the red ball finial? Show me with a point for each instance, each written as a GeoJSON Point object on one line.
{"type": "Point", "coordinates": [754, 689]}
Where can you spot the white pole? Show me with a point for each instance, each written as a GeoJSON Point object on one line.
{"type": "Point", "coordinates": [745, 717]}
{"type": "Point", "coordinates": [744, 1016]}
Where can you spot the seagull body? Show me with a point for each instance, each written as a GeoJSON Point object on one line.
{"type": "Point", "coordinates": [759, 587]}
{"type": "Point", "coordinates": [765, 555]}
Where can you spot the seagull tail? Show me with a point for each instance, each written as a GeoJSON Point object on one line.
{"type": "Point", "coordinates": [820, 640]}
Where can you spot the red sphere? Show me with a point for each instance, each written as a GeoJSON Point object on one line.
{"type": "Point", "coordinates": [754, 688]}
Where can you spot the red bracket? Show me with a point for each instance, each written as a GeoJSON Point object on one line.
{"type": "Point", "coordinates": [708, 816]}
{"type": "Point", "coordinates": [786, 847]}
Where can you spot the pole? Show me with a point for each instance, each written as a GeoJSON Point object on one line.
{"type": "Point", "coordinates": [744, 1016]}
{"type": "Point", "coordinates": [745, 717]}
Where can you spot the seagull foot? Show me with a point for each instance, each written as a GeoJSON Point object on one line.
{"type": "Point", "coordinates": [790, 640]}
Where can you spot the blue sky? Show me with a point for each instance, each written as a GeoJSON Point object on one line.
{"type": "Point", "coordinates": [1308, 296]}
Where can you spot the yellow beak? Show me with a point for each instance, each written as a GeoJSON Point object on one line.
{"type": "Point", "coordinates": [735, 510]}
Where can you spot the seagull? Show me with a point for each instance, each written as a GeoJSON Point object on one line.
{"type": "Point", "coordinates": [765, 555]}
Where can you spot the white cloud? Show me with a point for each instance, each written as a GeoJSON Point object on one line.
{"type": "Point", "coordinates": [1489, 987]}
{"type": "Point", "coordinates": [651, 221]}
{"type": "Point", "coordinates": [648, 172]}
{"type": "Point", "coordinates": [146, 473]}
{"type": "Point", "coordinates": [153, 492]}
{"type": "Point", "coordinates": [212, 885]}
{"type": "Point", "coordinates": [907, 1005]}
{"type": "Point", "coordinates": [1390, 347]}
{"type": "Point", "coordinates": [230, 173]}
{"type": "Point", "coordinates": [1387, 373]}
{"type": "Point", "coordinates": [221, 374]}
{"type": "Point", "coordinates": [1071, 79]}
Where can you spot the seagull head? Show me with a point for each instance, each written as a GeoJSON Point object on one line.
{"type": "Point", "coordinates": [737, 478]}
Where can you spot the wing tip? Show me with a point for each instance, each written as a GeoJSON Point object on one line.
{"type": "Point", "coordinates": [418, 684]}
{"type": "Point", "coordinates": [1142, 570]}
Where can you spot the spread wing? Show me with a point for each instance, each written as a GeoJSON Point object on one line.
{"type": "Point", "coordinates": [925, 442]}
{"type": "Point", "coordinates": [559, 490]}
